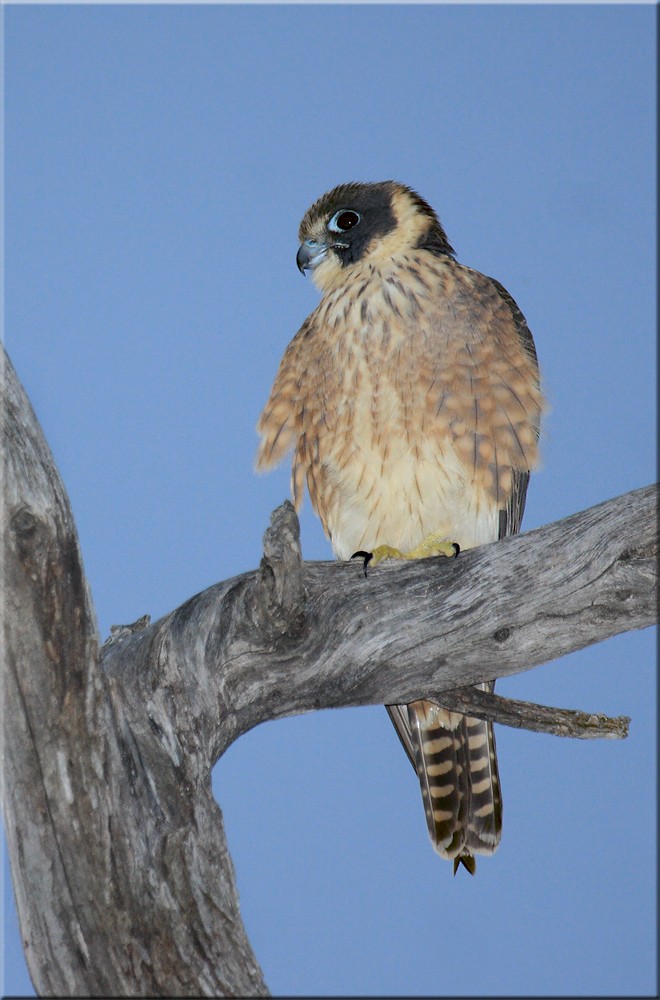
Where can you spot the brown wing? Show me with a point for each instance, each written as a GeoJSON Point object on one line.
{"type": "Point", "coordinates": [287, 421]}
{"type": "Point", "coordinates": [511, 517]}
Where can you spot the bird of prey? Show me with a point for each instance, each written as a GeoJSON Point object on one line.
{"type": "Point", "coordinates": [411, 401]}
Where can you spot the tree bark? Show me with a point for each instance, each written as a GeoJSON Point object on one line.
{"type": "Point", "coordinates": [122, 876]}
{"type": "Point", "coordinates": [123, 882]}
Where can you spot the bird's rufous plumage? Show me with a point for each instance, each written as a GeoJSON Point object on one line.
{"type": "Point", "coordinates": [411, 401]}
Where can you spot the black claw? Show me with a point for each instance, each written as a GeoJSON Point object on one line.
{"type": "Point", "coordinates": [456, 547]}
{"type": "Point", "coordinates": [367, 556]}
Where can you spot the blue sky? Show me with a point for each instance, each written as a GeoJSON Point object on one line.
{"type": "Point", "coordinates": [158, 162]}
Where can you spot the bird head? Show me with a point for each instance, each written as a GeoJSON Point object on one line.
{"type": "Point", "coordinates": [365, 224]}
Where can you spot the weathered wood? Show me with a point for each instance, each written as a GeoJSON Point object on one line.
{"type": "Point", "coordinates": [120, 865]}
{"type": "Point", "coordinates": [412, 628]}
{"type": "Point", "coordinates": [536, 718]}
{"type": "Point", "coordinates": [123, 881]}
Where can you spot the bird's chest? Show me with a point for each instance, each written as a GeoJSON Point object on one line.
{"type": "Point", "coordinates": [372, 386]}
{"type": "Point", "coordinates": [388, 475]}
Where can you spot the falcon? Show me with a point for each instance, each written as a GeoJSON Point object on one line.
{"type": "Point", "coordinates": [411, 401]}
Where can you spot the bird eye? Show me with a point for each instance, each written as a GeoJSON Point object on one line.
{"type": "Point", "coordinates": [342, 221]}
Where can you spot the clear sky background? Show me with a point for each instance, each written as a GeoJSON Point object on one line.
{"type": "Point", "coordinates": [158, 162]}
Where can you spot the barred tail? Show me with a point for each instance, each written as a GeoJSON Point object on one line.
{"type": "Point", "coordinates": [455, 759]}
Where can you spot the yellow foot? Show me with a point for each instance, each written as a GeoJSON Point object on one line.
{"type": "Point", "coordinates": [434, 544]}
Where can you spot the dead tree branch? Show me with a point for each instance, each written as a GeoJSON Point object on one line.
{"type": "Point", "coordinates": [120, 866]}
{"type": "Point", "coordinates": [537, 718]}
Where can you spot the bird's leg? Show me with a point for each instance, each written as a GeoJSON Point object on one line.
{"type": "Point", "coordinates": [435, 544]}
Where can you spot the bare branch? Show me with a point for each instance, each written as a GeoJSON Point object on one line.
{"type": "Point", "coordinates": [416, 627]}
{"type": "Point", "coordinates": [537, 718]}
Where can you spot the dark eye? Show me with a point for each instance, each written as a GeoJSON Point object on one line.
{"type": "Point", "coordinates": [342, 221]}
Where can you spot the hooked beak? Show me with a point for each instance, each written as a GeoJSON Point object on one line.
{"type": "Point", "coordinates": [310, 255]}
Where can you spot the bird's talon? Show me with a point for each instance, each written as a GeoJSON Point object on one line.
{"type": "Point", "coordinates": [367, 556]}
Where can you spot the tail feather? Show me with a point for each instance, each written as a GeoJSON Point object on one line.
{"type": "Point", "coordinates": [441, 762]}
{"type": "Point", "coordinates": [455, 759]}
{"type": "Point", "coordinates": [485, 820]}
